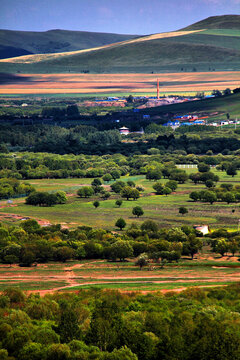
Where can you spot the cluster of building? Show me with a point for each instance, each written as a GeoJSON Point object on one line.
{"type": "Point", "coordinates": [191, 121]}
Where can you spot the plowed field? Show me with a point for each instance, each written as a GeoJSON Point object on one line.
{"type": "Point", "coordinates": [120, 83]}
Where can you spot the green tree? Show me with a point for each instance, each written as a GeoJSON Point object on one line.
{"type": "Point", "coordinates": [149, 225]}
{"type": "Point", "coordinates": [105, 195]}
{"type": "Point", "coordinates": [158, 187]}
{"type": "Point", "coordinates": [229, 197]}
{"type": "Point", "coordinates": [107, 177]}
{"type": "Point", "coordinates": [85, 191]}
{"type": "Point", "coordinates": [202, 167]}
{"type": "Point", "coordinates": [63, 253]}
{"type": "Point", "coordinates": [119, 202]}
{"type": "Point", "coordinates": [32, 351]}
{"type": "Point", "coordinates": [194, 196]}
{"type": "Point", "coordinates": [142, 260]}
{"type": "Point", "coordinates": [11, 259]}
{"type": "Point", "coordinates": [233, 246]}
{"type": "Point", "coordinates": [68, 327]}
{"type": "Point", "coordinates": [116, 174]}
{"type": "Point", "coordinates": [127, 192]}
{"type": "Point", "coordinates": [120, 223]}
{"type": "Point", "coordinates": [135, 194]}
{"type": "Point", "coordinates": [131, 183]}
{"type": "Point", "coordinates": [61, 197]}
{"type": "Point", "coordinates": [154, 174]}
{"type": "Point", "coordinates": [118, 186]}
{"type": "Point", "coordinates": [58, 352]}
{"type": "Point", "coordinates": [182, 210]}
{"type": "Point", "coordinates": [231, 170]}
{"type": "Point", "coordinates": [172, 184]}
{"type": "Point", "coordinates": [124, 353]}
{"type": "Point", "coordinates": [166, 191]}
{"type": "Point", "coordinates": [179, 175]}
{"type": "Point", "coordinates": [138, 211]}
{"type": "Point", "coordinates": [27, 258]}
{"type": "Point", "coordinates": [96, 204]}
{"type": "Point", "coordinates": [221, 246]}
{"type": "Point", "coordinates": [192, 246]}
{"type": "Point", "coordinates": [209, 196]}
{"type": "Point", "coordinates": [30, 226]}
{"type": "Point", "coordinates": [96, 182]}
{"type": "Point", "coordinates": [121, 249]}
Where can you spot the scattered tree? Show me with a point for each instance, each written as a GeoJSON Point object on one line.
{"type": "Point", "coordinates": [120, 223]}
{"type": "Point", "coordinates": [138, 211]}
{"type": "Point", "coordinates": [96, 204]}
{"type": "Point", "coordinates": [182, 210]}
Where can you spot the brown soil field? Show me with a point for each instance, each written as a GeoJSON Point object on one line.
{"type": "Point", "coordinates": [121, 83]}
{"type": "Point", "coordinates": [95, 272]}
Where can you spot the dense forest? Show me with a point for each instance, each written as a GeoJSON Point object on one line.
{"type": "Point", "coordinates": [84, 139]}
{"type": "Point", "coordinates": [197, 324]}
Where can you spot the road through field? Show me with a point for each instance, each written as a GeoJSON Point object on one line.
{"type": "Point", "coordinates": [119, 83]}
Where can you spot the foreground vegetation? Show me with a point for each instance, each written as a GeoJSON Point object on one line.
{"type": "Point", "coordinates": [109, 325]}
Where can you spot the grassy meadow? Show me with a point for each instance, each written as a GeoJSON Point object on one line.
{"type": "Point", "coordinates": [160, 208]}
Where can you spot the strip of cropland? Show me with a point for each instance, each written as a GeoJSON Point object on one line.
{"type": "Point", "coordinates": [100, 84]}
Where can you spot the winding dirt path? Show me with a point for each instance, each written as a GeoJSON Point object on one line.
{"type": "Point", "coordinates": [98, 272]}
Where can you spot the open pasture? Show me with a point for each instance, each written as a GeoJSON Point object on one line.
{"type": "Point", "coordinates": [100, 84]}
{"type": "Point", "coordinates": [160, 208]}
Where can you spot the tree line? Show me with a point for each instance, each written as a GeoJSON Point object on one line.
{"type": "Point", "coordinates": [87, 139]}
{"type": "Point", "coordinates": [30, 243]}
{"type": "Point", "coordinates": [28, 165]}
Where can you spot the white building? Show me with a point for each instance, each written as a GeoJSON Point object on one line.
{"type": "Point", "coordinates": [124, 130]}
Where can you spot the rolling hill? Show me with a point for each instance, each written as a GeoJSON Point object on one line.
{"type": "Point", "coordinates": [17, 43]}
{"type": "Point", "coordinates": [211, 44]}
{"type": "Point", "coordinates": [217, 22]}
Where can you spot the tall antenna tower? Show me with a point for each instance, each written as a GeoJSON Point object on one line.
{"type": "Point", "coordinates": [158, 89]}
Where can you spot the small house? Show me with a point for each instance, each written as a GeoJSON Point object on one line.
{"type": "Point", "coordinates": [124, 130]}
{"type": "Point", "coordinates": [204, 229]}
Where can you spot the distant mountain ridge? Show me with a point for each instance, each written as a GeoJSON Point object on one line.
{"type": "Point", "coordinates": [209, 45]}
{"type": "Point", "coordinates": [16, 43]}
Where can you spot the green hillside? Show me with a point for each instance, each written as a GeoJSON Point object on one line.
{"type": "Point", "coordinates": [217, 22]}
{"type": "Point", "coordinates": [52, 41]}
{"type": "Point", "coordinates": [198, 49]}
{"type": "Point", "coordinates": [224, 104]}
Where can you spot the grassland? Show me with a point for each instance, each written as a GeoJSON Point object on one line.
{"type": "Point", "coordinates": [172, 51]}
{"type": "Point", "coordinates": [16, 43]}
{"type": "Point", "coordinates": [161, 208]}
{"type": "Point", "coordinates": [213, 107]}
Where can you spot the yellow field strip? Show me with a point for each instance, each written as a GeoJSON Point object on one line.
{"type": "Point", "coordinates": [127, 83]}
